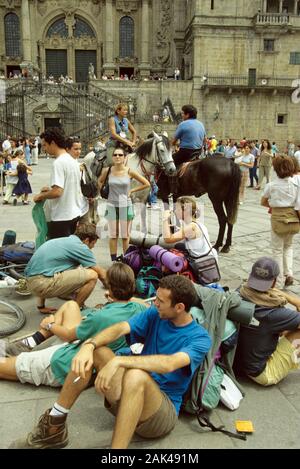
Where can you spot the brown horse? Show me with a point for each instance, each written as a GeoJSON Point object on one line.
{"type": "Point", "coordinates": [218, 177]}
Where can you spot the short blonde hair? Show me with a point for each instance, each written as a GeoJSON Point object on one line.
{"type": "Point", "coordinates": [120, 106]}
{"type": "Point", "coordinates": [184, 201]}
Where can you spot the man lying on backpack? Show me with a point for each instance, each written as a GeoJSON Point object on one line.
{"type": "Point", "coordinates": [269, 351]}
{"type": "Point", "coordinates": [144, 392]}
{"type": "Point", "coordinates": [65, 266]}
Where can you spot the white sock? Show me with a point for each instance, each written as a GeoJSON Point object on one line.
{"type": "Point", "coordinates": [58, 410]}
{"type": "Point", "coordinates": [29, 341]}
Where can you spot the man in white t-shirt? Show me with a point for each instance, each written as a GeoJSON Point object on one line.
{"type": "Point", "coordinates": [6, 145]}
{"type": "Point", "coordinates": [297, 155]}
{"type": "Point", "coordinates": [65, 196]}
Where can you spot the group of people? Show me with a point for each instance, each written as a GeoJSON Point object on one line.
{"type": "Point", "coordinates": [144, 391]}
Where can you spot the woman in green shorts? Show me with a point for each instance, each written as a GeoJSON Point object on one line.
{"type": "Point", "coordinates": [119, 211]}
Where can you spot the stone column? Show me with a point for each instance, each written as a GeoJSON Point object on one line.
{"type": "Point", "coordinates": [296, 7]}
{"type": "Point", "coordinates": [26, 33]}
{"type": "Point", "coordinates": [109, 66]}
{"type": "Point", "coordinates": [280, 6]}
{"type": "Point", "coordinates": [265, 6]}
{"type": "Point", "coordinates": [145, 65]}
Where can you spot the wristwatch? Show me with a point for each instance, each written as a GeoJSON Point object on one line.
{"type": "Point", "coordinates": [48, 326]}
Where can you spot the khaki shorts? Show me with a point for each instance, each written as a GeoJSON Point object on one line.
{"type": "Point", "coordinates": [160, 424]}
{"type": "Point", "coordinates": [280, 363]}
{"type": "Point", "coordinates": [34, 367]}
{"type": "Point", "coordinates": [63, 283]}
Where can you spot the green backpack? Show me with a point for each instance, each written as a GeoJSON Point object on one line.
{"type": "Point", "coordinates": [147, 281]}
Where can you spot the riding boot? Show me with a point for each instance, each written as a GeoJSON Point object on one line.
{"type": "Point", "coordinates": [173, 184]}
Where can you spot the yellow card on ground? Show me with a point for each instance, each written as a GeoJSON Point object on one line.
{"type": "Point", "coordinates": [244, 426]}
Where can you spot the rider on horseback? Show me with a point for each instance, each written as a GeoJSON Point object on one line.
{"type": "Point", "coordinates": [191, 133]}
{"type": "Point", "coordinates": [119, 128]}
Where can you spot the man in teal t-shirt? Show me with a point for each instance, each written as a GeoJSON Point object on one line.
{"type": "Point", "coordinates": [51, 365]}
{"type": "Point", "coordinates": [65, 266]}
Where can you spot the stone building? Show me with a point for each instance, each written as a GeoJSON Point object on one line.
{"type": "Point", "coordinates": [239, 60]}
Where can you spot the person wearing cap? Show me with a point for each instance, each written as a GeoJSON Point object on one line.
{"type": "Point", "coordinates": [267, 352]}
{"type": "Point", "coordinates": [283, 197]}
{"type": "Point", "coordinates": [190, 133]}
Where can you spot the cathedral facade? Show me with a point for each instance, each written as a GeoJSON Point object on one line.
{"type": "Point", "coordinates": [239, 60]}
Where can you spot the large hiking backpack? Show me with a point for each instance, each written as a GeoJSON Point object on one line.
{"type": "Point", "coordinates": [147, 281]}
{"type": "Point", "coordinates": [98, 162]}
{"type": "Point", "coordinates": [136, 258]}
{"type": "Point", "coordinates": [204, 393]}
{"type": "Point", "coordinates": [19, 253]}
{"type": "Point", "coordinates": [89, 188]}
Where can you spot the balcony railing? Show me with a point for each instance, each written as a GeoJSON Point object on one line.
{"type": "Point", "coordinates": [246, 82]}
{"type": "Point", "coordinates": [272, 19]}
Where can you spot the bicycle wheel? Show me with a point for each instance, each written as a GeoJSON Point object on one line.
{"type": "Point", "coordinates": [12, 318]}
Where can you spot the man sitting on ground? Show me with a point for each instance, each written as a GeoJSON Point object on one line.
{"type": "Point", "coordinates": [269, 351]}
{"type": "Point", "coordinates": [51, 365]}
{"type": "Point", "coordinates": [145, 392]}
{"type": "Point", "coordinates": [65, 266]}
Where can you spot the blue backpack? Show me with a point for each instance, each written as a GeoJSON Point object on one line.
{"type": "Point", "coordinates": [19, 253]}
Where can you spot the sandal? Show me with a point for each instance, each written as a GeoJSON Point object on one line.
{"type": "Point", "coordinates": [46, 310]}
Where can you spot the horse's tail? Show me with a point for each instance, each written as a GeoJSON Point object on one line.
{"type": "Point", "coordinates": [232, 200]}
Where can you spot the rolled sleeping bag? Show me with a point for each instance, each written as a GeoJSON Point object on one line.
{"type": "Point", "coordinates": [139, 239]}
{"type": "Point", "coordinates": [168, 259]}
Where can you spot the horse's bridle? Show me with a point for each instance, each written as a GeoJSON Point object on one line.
{"type": "Point", "coordinates": [160, 164]}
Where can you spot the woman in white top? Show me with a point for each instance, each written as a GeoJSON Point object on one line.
{"type": "Point", "coordinates": [245, 163]}
{"type": "Point", "coordinates": [193, 233]}
{"type": "Point", "coordinates": [283, 197]}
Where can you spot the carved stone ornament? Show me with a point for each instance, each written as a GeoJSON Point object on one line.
{"type": "Point", "coordinates": [163, 35]}
{"type": "Point", "coordinates": [10, 3]}
{"type": "Point", "coordinates": [127, 6]}
{"type": "Point", "coordinates": [53, 104]}
{"type": "Point", "coordinates": [42, 7]}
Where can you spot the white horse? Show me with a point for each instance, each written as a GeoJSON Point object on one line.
{"type": "Point", "coordinates": [153, 156]}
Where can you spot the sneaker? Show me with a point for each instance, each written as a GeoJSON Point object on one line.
{"type": "Point", "coordinates": [51, 432]}
{"type": "Point", "coordinates": [12, 349]}
{"type": "Point", "coordinates": [15, 202]}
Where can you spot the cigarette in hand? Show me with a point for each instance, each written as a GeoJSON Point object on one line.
{"type": "Point", "coordinates": [76, 380]}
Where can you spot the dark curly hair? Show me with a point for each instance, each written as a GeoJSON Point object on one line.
{"type": "Point", "coordinates": [56, 135]}
{"type": "Point", "coordinates": [182, 290]}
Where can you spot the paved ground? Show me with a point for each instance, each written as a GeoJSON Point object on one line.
{"type": "Point", "coordinates": [275, 411]}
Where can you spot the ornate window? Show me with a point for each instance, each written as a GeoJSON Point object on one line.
{"type": "Point", "coordinates": [58, 27]}
{"type": "Point", "coordinates": [12, 35]}
{"type": "Point", "coordinates": [82, 29]}
{"type": "Point", "coordinates": [126, 37]}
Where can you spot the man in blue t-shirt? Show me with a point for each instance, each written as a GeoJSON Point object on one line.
{"type": "Point", "coordinates": [190, 133]}
{"type": "Point", "coordinates": [65, 266]}
{"type": "Point", "coordinates": [146, 392]}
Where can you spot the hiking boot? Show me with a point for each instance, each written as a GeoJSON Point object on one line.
{"type": "Point", "coordinates": [51, 432]}
{"type": "Point", "coordinates": [12, 349]}
{"type": "Point", "coordinates": [288, 281]}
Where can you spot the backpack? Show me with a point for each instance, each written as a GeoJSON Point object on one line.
{"type": "Point", "coordinates": [136, 258]}
{"type": "Point", "coordinates": [89, 188]}
{"type": "Point", "coordinates": [147, 281]}
{"type": "Point", "coordinates": [98, 162]}
{"type": "Point", "coordinates": [207, 385]}
{"type": "Point", "coordinates": [19, 253]}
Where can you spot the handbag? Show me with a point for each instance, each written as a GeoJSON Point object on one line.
{"type": "Point", "coordinates": [285, 221]}
{"type": "Point", "coordinates": [205, 268]}
{"type": "Point", "coordinates": [104, 192]}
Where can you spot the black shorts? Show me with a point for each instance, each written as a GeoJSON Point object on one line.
{"type": "Point", "coordinates": [62, 229]}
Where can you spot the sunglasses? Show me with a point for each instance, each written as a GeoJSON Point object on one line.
{"type": "Point", "coordinates": [118, 154]}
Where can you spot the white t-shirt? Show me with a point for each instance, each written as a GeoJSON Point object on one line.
{"type": "Point", "coordinates": [66, 174]}
{"type": "Point", "coordinates": [297, 156]}
{"type": "Point", "coordinates": [6, 145]}
{"type": "Point", "coordinates": [283, 193]}
{"type": "Point", "coordinates": [200, 246]}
